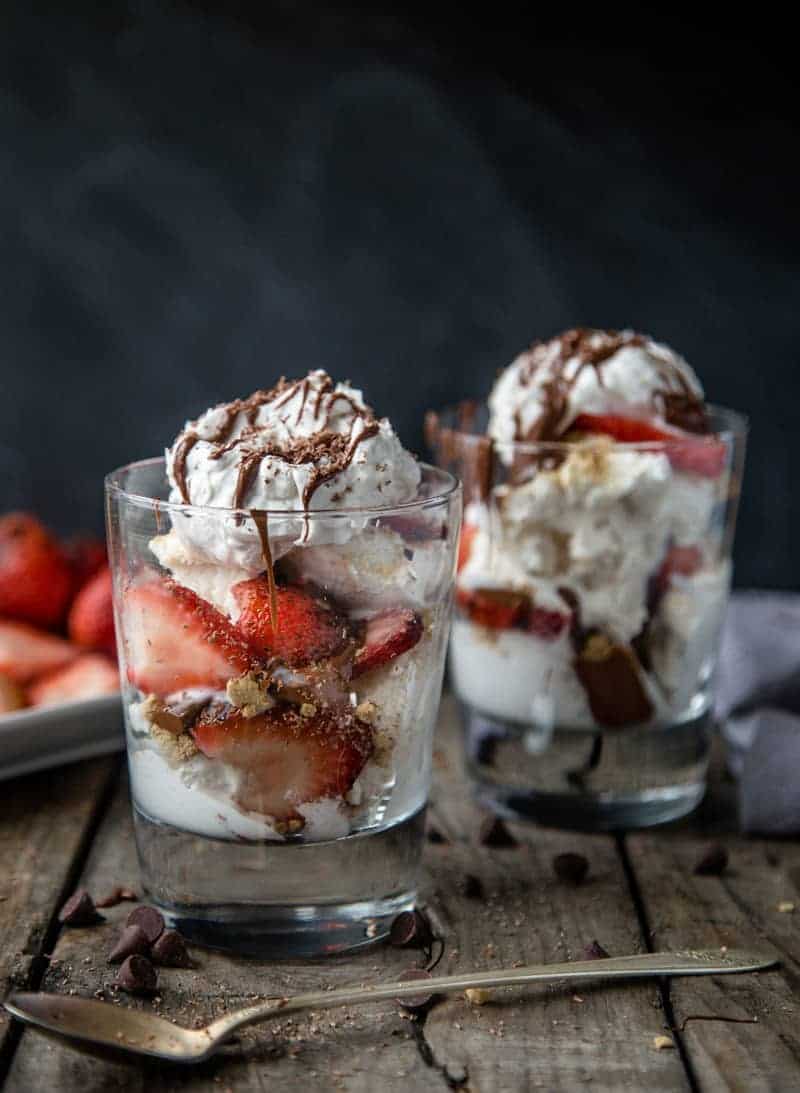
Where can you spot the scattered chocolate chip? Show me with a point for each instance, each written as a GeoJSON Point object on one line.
{"type": "Point", "coordinates": [170, 950]}
{"type": "Point", "coordinates": [149, 919]}
{"type": "Point", "coordinates": [118, 895]}
{"type": "Point", "coordinates": [570, 868]}
{"type": "Point", "coordinates": [79, 910]}
{"type": "Point", "coordinates": [414, 1003]}
{"type": "Point", "coordinates": [411, 929]}
{"type": "Point", "coordinates": [132, 941]}
{"type": "Point", "coordinates": [713, 862]}
{"type": "Point", "coordinates": [485, 750]}
{"type": "Point", "coordinates": [594, 951]}
{"type": "Point", "coordinates": [435, 836]}
{"type": "Point", "coordinates": [472, 887]}
{"type": "Point", "coordinates": [494, 833]}
{"type": "Point", "coordinates": [137, 976]}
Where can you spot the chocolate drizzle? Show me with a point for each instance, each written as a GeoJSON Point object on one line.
{"type": "Point", "coordinates": [328, 452]}
{"type": "Point", "coordinates": [259, 518]}
{"type": "Point", "coordinates": [564, 358]}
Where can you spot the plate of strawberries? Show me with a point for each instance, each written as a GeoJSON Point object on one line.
{"type": "Point", "coordinates": [59, 681]}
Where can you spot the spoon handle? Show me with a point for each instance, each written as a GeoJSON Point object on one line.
{"type": "Point", "coordinates": [619, 967]}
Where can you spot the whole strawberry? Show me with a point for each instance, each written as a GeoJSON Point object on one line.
{"type": "Point", "coordinates": [91, 617]}
{"type": "Point", "coordinates": [35, 577]}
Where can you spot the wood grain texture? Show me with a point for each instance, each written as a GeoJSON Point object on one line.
{"type": "Point", "coordinates": [44, 820]}
{"type": "Point", "coordinates": [742, 1033]}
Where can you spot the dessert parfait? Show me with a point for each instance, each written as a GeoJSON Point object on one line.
{"type": "Point", "coordinates": [593, 574]}
{"type": "Point", "coordinates": [283, 586]}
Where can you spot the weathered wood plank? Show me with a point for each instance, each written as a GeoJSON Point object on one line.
{"type": "Point", "coordinates": [44, 819]}
{"type": "Point", "coordinates": [737, 909]}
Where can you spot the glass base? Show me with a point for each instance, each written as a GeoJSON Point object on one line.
{"type": "Point", "coordinates": [584, 779]}
{"type": "Point", "coordinates": [281, 900]}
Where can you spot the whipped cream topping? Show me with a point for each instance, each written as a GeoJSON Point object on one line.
{"type": "Point", "coordinates": [541, 393]}
{"type": "Point", "coordinates": [304, 445]}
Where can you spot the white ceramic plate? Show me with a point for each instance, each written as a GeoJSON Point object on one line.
{"type": "Point", "coordinates": [48, 736]}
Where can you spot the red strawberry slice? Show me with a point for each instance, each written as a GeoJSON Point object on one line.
{"type": "Point", "coordinates": [12, 697]}
{"type": "Point", "coordinates": [90, 676]}
{"type": "Point", "coordinates": [505, 609]}
{"type": "Point", "coordinates": [286, 760]}
{"type": "Point", "coordinates": [175, 640]}
{"type": "Point", "coordinates": [91, 617]}
{"type": "Point", "coordinates": [386, 636]}
{"type": "Point", "coordinates": [309, 627]}
{"type": "Point", "coordinates": [468, 533]}
{"type": "Point", "coordinates": [701, 455]}
{"type": "Point", "coordinates": [26, 652]}
{"type": "Point", "coordinates": [545, 624]}
{"type": "Point", "coordinates": [35, 577]}
{"type": "Point", "coordinates": [86, 555]}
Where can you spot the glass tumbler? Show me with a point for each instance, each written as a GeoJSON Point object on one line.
{"type": "Point", "coordinates": [591, 588]}
{"type": "Point", "coordinates": [282, 673]}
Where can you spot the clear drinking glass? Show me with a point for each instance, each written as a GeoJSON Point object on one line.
{"type": "Point", "coordinates": [591, 588]}
{"type": "Point", "coordinates": [279, 777]}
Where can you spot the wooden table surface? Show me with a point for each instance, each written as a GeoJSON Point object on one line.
{"type": "Point", "coordinates": [72, 826]}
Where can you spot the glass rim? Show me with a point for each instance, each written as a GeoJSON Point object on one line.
{"type": "Point", "coordinates": [113, 488]}
{"type": "Point", "coordinates": [736, 427]}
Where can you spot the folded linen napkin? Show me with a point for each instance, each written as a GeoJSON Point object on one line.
{"type": "Point", "coordinates": [758, 707]}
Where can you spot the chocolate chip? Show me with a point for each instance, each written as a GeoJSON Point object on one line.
{"type": "Point", "coordinates": [472, 887]}
{"type": "Point", "coordinates": [594, 951]}
{"type": "Point", "coordinates": [713, 862]}
{"type": "Point", "coordinates": [435, 836]}
{"type": "Point", "coordinates": [150, 920]}
{"type": "Point", "coordinates": [494, 833]}
{"type": "Point", "coordinates": [170, 950]}
{"type": "Point", "coordinates": [486, 750]}
{"type": "Point", "coordinates": [570, 868]}
{"type": "Point", "coordinates": [411, 929]}
{"type": "Point", "coordinates": [414, 1003]}
{"type": "Point", "coordinates": [137, 976]}
{"type": "Point", "coordinates": [79, 910]}
{"type": "Point", "coordinates": [117, 895]}
{"type": "Point", "coordinates": [132, 941]}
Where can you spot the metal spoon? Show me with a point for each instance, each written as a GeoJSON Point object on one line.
{"type": "Point", "coordinates": [142, 1033]}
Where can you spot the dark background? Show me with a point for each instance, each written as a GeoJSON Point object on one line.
{"type": "Point", "coordinates": [198, 198]}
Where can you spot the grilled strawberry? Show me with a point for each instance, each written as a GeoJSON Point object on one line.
{"type": "Point", "coordinates": [286, 760]}
{"type": "Point", "coordinates": [386, 636]}
{"type": "Point", "coordinates": [175, 640]}
{"type": "Point", "coordinates": [90, 676]}
{"type": "Point", "coordinates": [35, 577]}
{"type": "Point", "coordinates": [309, 628]}
{"type": "Point", "coordinates": [91, 617]}
{"type": "Point", "coordinates": [12, 697]}
{"type": "Point", "coordinates": [468, 533]}
{"type": "Point", "coordinates": [86, 555]}
{"type": "Point", "coordinates": [26, 652]}
{"type": "Point", "coordinates": [701, 455]}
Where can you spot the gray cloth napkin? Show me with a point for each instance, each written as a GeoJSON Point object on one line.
{"type": "Point", "coordinates": [758, 707]}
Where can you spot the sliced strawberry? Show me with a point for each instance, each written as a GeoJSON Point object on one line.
{"type": "Point", "coordinates": [90, 676]}
{"type": "Point", "coordinates": [547, 625]}
{"type": "Point", "coordinates": [309, 627]}
{"type": "Point", "coordinates": [174, 640]}
{"type": "Point", "coordinates": [701, 455]}
{"type": "Point", "coordinates": [286, 760]}
{"type": "Point", "coordinates": [91, 617]}
{"type": "Point", "coordinates": [35, 577]}
{"type": "Point", "coordinates": [468, 533]}
{"type": "Point", "coordinates": [86, 555]}
{"type": "Point", "coordinates": [497, 608]}
{"type": "Point", "coordinates": [386, 636]}
{"type": "Point", "coordinates": [683, 560]}
{"type": "Point", "coordinates": [12, 697]}
{"type": "Point", "coordinates": [26, 652]}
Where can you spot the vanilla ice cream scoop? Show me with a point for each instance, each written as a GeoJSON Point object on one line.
{"type": "Point", "coordinates": [304, 445]}
{"type": "Point", "coordinates": [543, 391]}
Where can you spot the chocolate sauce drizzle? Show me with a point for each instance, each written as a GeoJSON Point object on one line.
{"type": "Point", "coordinates": [328, 452]}
{"type": "Point", "coordinates": [259, 518]}
{"type": "Point", "coordinates": [583, 348]}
